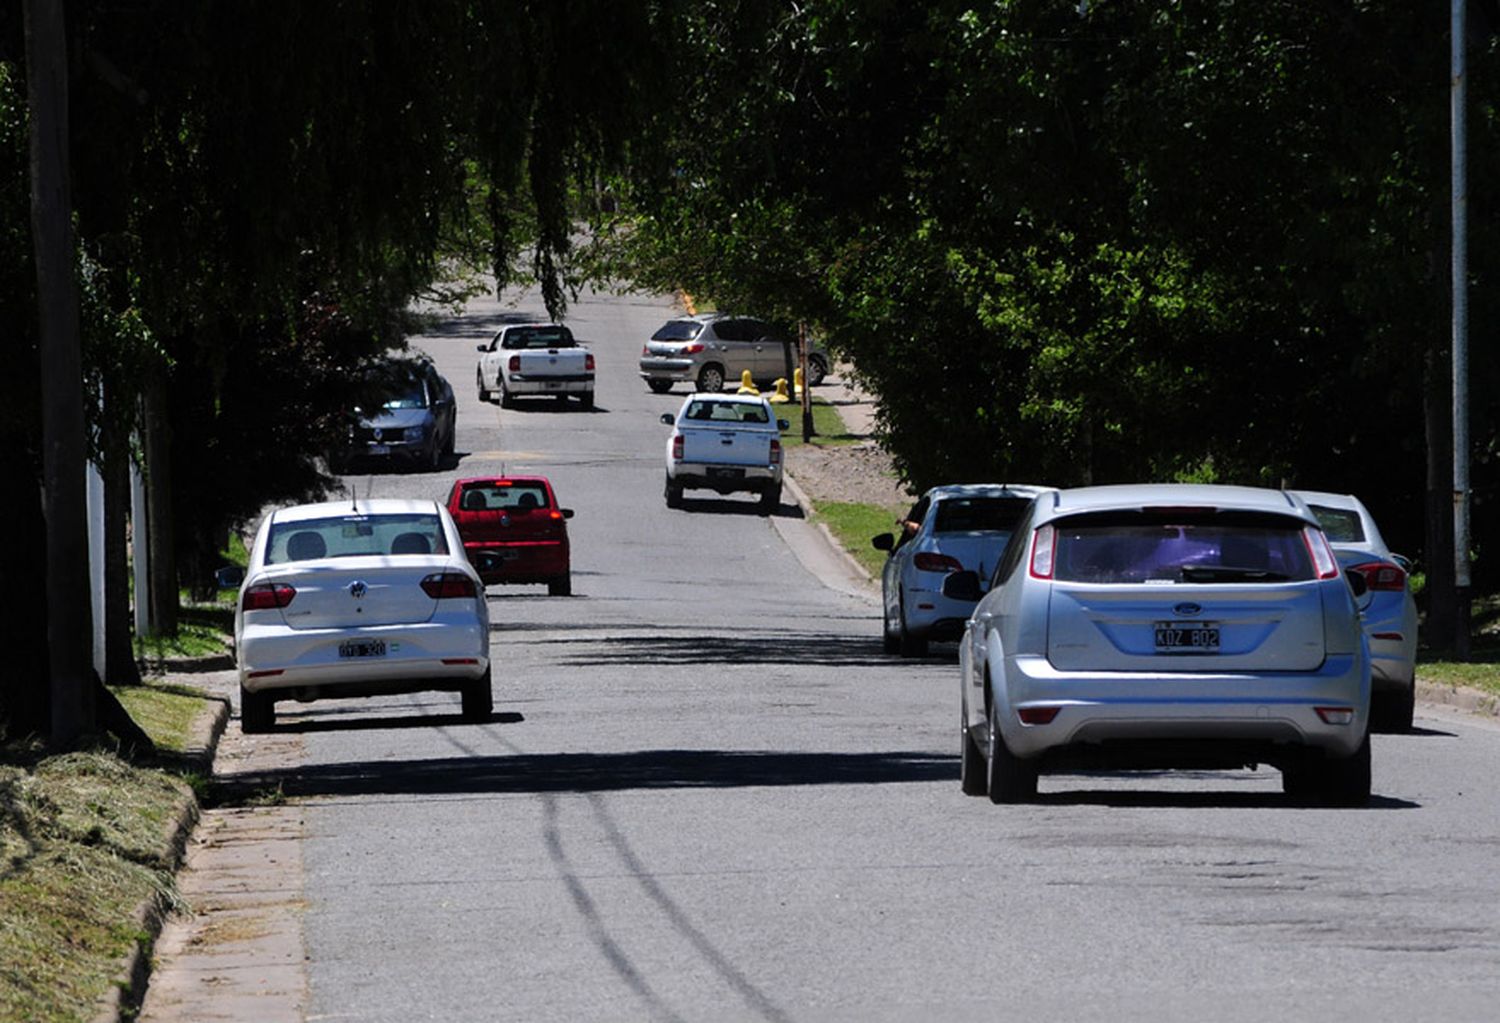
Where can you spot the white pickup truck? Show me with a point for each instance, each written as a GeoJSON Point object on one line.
{"type": "Point", "coordinates": [726, 443]}
{"type": "Point", "coordinates": [526, 359]}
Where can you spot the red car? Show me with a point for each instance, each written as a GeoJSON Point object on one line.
{"type": "Point", "coordinates": [517, 517]}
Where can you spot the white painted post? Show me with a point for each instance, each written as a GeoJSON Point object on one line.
{"type": "Point", "coordinates": [139, 548]}
{"type": "Point", "coordinates": [94, 494]}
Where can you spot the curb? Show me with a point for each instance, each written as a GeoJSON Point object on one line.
{"type": "Point", "coordinates": [187, 665]}
{"type": "Point", "coordinates": [858, 573]}
{"type": "Point", "coordinates": [1471, 701]}
{"type": "Point", "coordinates": [122, 1001]}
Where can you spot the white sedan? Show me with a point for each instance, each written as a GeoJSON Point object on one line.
{"type": "Point", "coordinates": [359, 598]}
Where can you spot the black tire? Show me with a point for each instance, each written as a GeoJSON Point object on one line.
{"type": "Point", "coordinates": [817, 369]}
{"type": "Point", "coordinates": [433, 460]}
{"type": "Point", "coordinates": [971, 770]}
{"type": "Point", "coordinates": [586, 399]}
{"type": "Point", "coordinates": [889, 641]}
{"type": "Point", "coordinates": [484, 394]}
{"type": "Point", "coordinates": [711, 378]}
{"type": "Point", "coordinates": [450, 440]}
{"type": "Point", "coordinates": [257, 712]}
{"type": "Point", "coordinates": [674, 495]}
{"type": "Point", "coordinates": [1346, 782]}
{"type": "Point", "coordinates": [506, 401]}
{"type": "Point", "coordinates": [1008, 778]}
{"type": "Point", "coordinates": [562, 586]}
{"type": "Point", "coordinates": [907, 644]}
{"type": "Point", "coordinates": [770, 500]}
{"type": "Point", "coordinates": [659, 386]}
{"type": "Point", "coordinates": [1393, 712]}
{"type": "Point", "coordinates": [478, 701]}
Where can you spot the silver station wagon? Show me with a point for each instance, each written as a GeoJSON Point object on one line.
{"type": "Point", "coordinates": [711, 349]}
{"type": "Point", "coordinates": [1165, 626]}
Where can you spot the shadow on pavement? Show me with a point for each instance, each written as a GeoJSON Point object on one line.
{"type": "Point", "coordinates": [590, 772]}
{"type": "Point", "coordinates": [761, 650]}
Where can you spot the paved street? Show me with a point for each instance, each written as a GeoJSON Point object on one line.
{"type": "Point", "coordinates": [707, 795]}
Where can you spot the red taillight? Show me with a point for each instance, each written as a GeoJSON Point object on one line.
{"type": "Point", "coordinates": [775, 452]}
{"type": "Point", "coordinates": [1326, 565]}
{"type": "Point", "coordinates": [677, 448]}
{"type": "Point", "coordinates": [1037, 715]}
{"type": "Point", "coordinates": [1336, 715]}
{"type": "Point", "coordinates": [514, 365]}
{"type": "Point", "coordinates": [460, 660]}
{"type": "Point", "coordinates": [265, 596]}
{"type": "Point", "coordinates": [555, 515]}
{"type": "Point", "coordinates": [1382, 575]}
{"type": "Point", "coordinates": [928, 561]}
{"type": "Point", "coordinates": [692, 349]}
{"type": "Point", "coordinates": [588, 362]}
{"type": "Point", "coordinates": [645, 349]}
{"type": "Point", "coordinates": [1041, 552]}
{"type": "Point", "coordinates": [448, 584]}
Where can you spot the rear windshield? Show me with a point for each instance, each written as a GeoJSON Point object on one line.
{"type": "Point", "coordinates": [979, 514]}
{"type": "Point", "coordinates": [727, 412]}
{"type": "Point", "coordinates": [538, 337]}
{"type": "Point", "coordinates": [503, 496]}
{"type": "Point", "coordinates": [1341, 524]}
{"type": "Point", "coordinates": [1135, 549]}
{"type": "Point", "coordinates": [353, 536]}
{"type": "Point", "coordinates": [678, 330]}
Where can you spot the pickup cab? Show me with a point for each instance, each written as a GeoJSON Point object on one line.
{"type": "Point", "coordinates": [535, 359]}
{"type": "Point", "coordinates": [727, 443]}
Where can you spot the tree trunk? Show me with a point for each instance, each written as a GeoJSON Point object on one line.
{"type": "Point", "coordinates": [161, 537]}
{"type": "Point", "coordinates": [25, 703]}
{"type": "Point", "coordinates": [1437, 409]}
{"type": "Point", "coordinates": [64, 438]}
{"type": "Point", "coordinates": [119, 654]}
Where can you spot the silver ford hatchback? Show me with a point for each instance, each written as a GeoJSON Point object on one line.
{"type": "Point", "coordinates": [1165, 626]}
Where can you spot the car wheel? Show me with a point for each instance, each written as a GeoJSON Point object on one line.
{"type": "Point", "coordinates": [674, 494]}
{"type": "Point", "coordinates": [484, 393]}
{"type": "Point", "coordinates": [907, 644]}
{"type": "Point", "coordinates": [1009, 779]}
{"type": "Point", "coordinates": [1346, 782]}
{"type": "Point", "coordinates": [971, 777]}
{"type": "Point", "coordinates": [450, 439]}
{"type": "Point", "coordinates": [477, 698]}
{"type": "Point", "coordinates": [889, 641]}
{"type": "Point", "coordinates": [586, 399]}
{"type": "Point", "coordinates": [562, 586]}
{"type": "Point", "coordinates": [711, 379]}
{"type": "Point", "coordinates": [506, 401]}
{"type": "Point", "coordinates": [433, 459]}
{"type": "Point", "coordinates": [257, 712]}
{"type": "Point", "coordinates": [770, 500]}
{"type": "Point", "coordinates": [817, 369]}
{"type": "Point", "coordinates": [659, 386]}
{"type": "Point", "coordinates": [1393, 712]}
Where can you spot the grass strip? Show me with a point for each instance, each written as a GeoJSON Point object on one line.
{"type": "Point", "coordinates": [828, 426]}
{"type": "Point", "coordinates": [853, 524]}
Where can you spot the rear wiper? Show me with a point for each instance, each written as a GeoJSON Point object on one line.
{"type": "Point", "coordinates": [1229, 574]}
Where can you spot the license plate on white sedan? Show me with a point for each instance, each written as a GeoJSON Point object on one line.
{"type": "Point", "coordinates": [362, 648]}
{"type": "Point", "coordinates": [1187, 637]}
{"type": "Point", "coordinates": [380, 449]}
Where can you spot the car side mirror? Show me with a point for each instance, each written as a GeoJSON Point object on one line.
{"type": "Point", "coordinates": [883, 542]}
{"type": "Point", "coordinates": [782, 424]}
{"type": "Point", "coordinates": [1357, 583]}
{"type": "Point", "coordinates": [668, 418]}
{"type": "Point", "coordinates": [962, 585]}
{"type": "Point", "coordinates": [481, 348]}
{"type": "Point", "coordinates": [567, 513]}
{"type": "Point", "coordinates": [229, 577]}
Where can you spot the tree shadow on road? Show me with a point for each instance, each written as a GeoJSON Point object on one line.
{"type": "Point", "coordinates": [708, 649]}
{"type": "Point", "coordinates": [591, 772]}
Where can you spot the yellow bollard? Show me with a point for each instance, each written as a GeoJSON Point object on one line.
{"type": "Point", "coordinates": [747, 386]}
{"type": "Point", "coordinates": [780, 395]}
{"type": "Point", "coordinates": [797, 382]}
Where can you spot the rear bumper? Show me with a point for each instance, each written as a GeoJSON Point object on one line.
{"type": "Point", "coordinates": [275, 657]}
{"type": "Point", "coordinates": [742, 478]}
{"type": "Point", "coordinates": [1272, 714]}
{"type": "Point", "coordinates": [521, 384]}
{"type": "Point", "coordinates": [524, 563]}
{"type": "Point", "coordinates": [676, 370]}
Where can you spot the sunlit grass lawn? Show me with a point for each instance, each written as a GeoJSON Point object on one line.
{"type": "Point", "coordinates": [828, 425]}
{"type": "Point", "coordinates": [853, 525]}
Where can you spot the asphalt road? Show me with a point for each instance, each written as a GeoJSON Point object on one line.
{"type": "Point", "coordinates": [707, 795]}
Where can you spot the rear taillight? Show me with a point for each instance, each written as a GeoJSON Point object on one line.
{"type": "Point", "coordinates": [555, 515]}
{"type": "Point", "coordinates": [1037, 715]}
{"type": "Point", "coordinates": [775, 452]}
{"type": "Point", "coordinates": [1042, 542]}
{"type": "Point", "coordinates": [1382, 575]}
{"type": "Point", "coordinates": [1326, 565]}
{"type": "Point", "coordinates": [588, 362]}
{"type": "Point", "coordinates": [645, 349]}
{"type": "Point", "coordinates": [692, 349]}
{"type": "Point", "coordinates": [1336, 715]}
{"type": "Point", "coordinates": [265, 596]}
{"type": "Point", "coordinates": [928, 561]}
{"type": "Point", "coordinates": [514, 365]}
{"type": "Point", "coordinates": [448, 584]}
{"type": "Point", "coordinates": [677, 448]}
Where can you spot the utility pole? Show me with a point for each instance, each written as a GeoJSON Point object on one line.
{"type": "Point", "coordinates": [64, 445]}
{"type": "Point", "coordinates": [806, 396]}
{"type": "Point", "coordinates": [1460, 199]}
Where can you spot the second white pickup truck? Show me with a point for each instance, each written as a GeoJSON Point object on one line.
{"type": "Point", "coordinates": [526, 359]}
{"type": "Point", "coordinates": [726, 443]}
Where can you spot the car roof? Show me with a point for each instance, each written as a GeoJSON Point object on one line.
{"type": "Point", "coordinates": [1128, 496]}
{"type": "Point", "coordinates": [530, 323]}
{"type": "Point", "coordinates": [497, 477]}
{"type": "Point", "coordinates": [1323, 497]}
{"type": "Point", "coordinates": [733, 399]}
{"type": "Point", "coordinates": [947, 490]}
{"type": "Point", "coordinates": [357, 506]}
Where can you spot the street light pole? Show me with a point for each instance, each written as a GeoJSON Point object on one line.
{"type": "Point", "coordinates": [1460, 199]}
